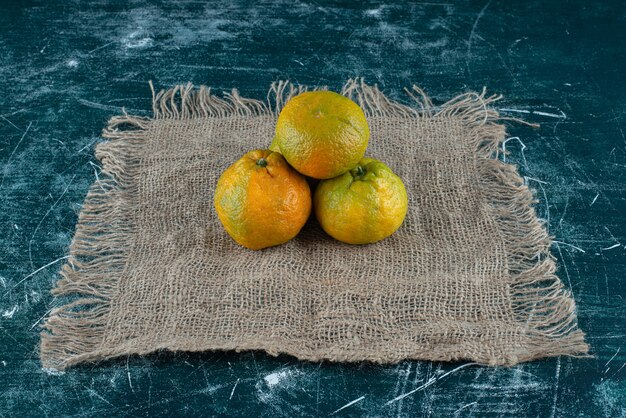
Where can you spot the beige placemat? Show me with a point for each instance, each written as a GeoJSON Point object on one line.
{"type": "Point", "coordinates": [469, 275]}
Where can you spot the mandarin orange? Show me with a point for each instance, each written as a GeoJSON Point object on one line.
{"type": "Point", "coordinates": [262, 201]}
{"type": "Point", "coordinates": [364, 205]}
{"type": "Point", "coordinates": [322, 134]}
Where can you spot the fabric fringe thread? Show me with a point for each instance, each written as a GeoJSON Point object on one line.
{"type": "Point", "coordinates": [187, 102]}
{"type": "Point", "coordinates": [540, 302]}
{"type": "Point", "coordinates": [542, 307]}
{"type": "Point", "coordinates": [74, 332]}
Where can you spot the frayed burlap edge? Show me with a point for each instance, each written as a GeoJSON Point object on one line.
{"type": "Point", "coordinates": [74, 333]}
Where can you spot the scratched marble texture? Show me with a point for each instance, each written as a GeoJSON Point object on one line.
{"type": "Point", "coordinates": [66, 67]}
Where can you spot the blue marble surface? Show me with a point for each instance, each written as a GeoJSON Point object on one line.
{"type": "Point", "coordinates": [68, 66]}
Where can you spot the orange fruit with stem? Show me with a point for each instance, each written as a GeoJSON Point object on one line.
{"type": "Point", "coordinates": [261, 201]}
{"type": "Point", "coordinates": [363, 205]}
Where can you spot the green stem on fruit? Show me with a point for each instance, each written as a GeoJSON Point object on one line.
{"type": "Point", "coordinates": [359, 171]}
{"type": "Point", "coordinates": [261, 162]}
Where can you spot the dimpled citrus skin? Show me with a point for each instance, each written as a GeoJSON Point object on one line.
{"type": "Point", "coordinates": [362, 206]}
{"type": "Point", "coordinates": [262, 201]}
{"type": "Point", "coordinates": [322, 134]}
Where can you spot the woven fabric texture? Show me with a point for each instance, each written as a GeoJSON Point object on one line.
{"type": "Point", "coordinates": [468, 276]}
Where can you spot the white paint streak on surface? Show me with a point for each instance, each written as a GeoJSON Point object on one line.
{"type": "Point", "coordinates": [465, 406]}
{"type": "Point", "coordinates": [611, 359]}
{"type": "Point", "coordinates": [429, 382]}
{"type": "Point", "coordinates": [212, 388]}
{"type": "Point", "coordinates": [404, 380]}
{"type": "Point", "coordinates": [100, 106]}
{"type": "Point", "coordinates": [569, 245]}
{"type": "Point", "coordinates": [232, 392]}
{"type": "Point", "coordinates": [373, 12]}
{"type": "Point", "coordinates": [8, 163]}
{"type": "Point", "coordinates": [9, 313]}
{"type": "Point", "coordinates": [39, 269]}
{"type": "Point", "coordinates": [100, 47]}
{"type": "Point", "coordinates": [52, 372]}
{"type": "Point", "coordinates": [560, 115]}
{"type": "Point", "coordinates": [504, 109]}
{"type": "Point", "coordinates": [611, 247]}
{"type": "Point", "coordinates": [348, 404]}
{"type": "Point", "coordinates": [42, 317]}
{"type": "Point", "coordinates": [56, 202]}
{"type": "Point", "coordinates": [130, 382]}
{"type": "Point", "coordinates": [472, 34]}
{"type": "Point", "coordinates": [275, 385]}
{"type": "Point", "coordinates": [97, 395]}
{"type": "Point", "coordinates": [274, 378]}
{"type": "Point", "coordinates": [136, 40]}
{"type": "Point", "coordinates": [557, 375]}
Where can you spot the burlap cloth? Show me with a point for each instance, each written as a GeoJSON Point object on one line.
{"type": "Point", "coordinates": [469, 275]}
